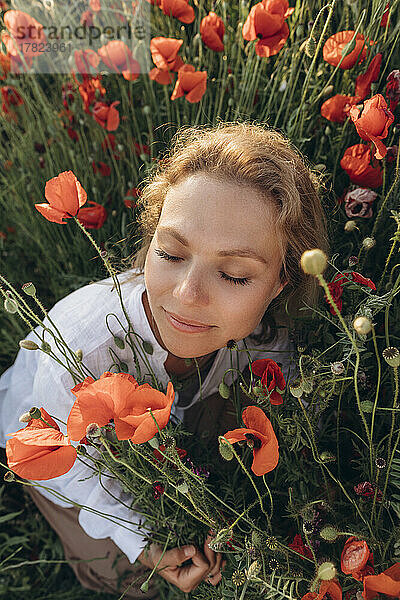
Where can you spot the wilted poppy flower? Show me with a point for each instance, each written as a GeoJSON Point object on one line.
{"type": "Point", "coordinates": [5, 65]}
{"type": "Point", "coordinates": [393, 88]}
{"type": "Point", "coordinates": [40, 451]}
{"type": "Point", "coordinates": [374, 122]}
{"type": "Point", "coordinates": [387, 583]}
{"type": "Point", "coordinates": [65, 196]}
{"type": "Point", "coordinates": [117, 56]}
{"type": "Point", "coordinates": [354, 557]}
{"type": "Point", "coordinates": [93, 216]}
{"type": "Point", "coordinates": [336, 109]}
{"type": "Point", "coordinates": [190, 83]}
{"type": "Point", "coordinates": [272, 378]}
{"type": "Point", "coordinates": [179, 9]}
{"type": "Point", "coordinates": [356, 161]}
{"type": "Point", "coordinates": [363, 81]}
{"type": "Point", "coordinates": [260, 436]}
{"type": "Point", "coordinates": [266, 21]}
{"type": "Point", "coordinates": [334, 46]}
{"type": "Point", "coordinates": [24, 34]}
{"type": "Point", "coordinates": [363, 280]}
{"type": "Point", "coordinates": [106, 115]}
{"type": "Point", "coordinates": [327, 589]}
{"type": "Point", "coordinates": [298, 546]}
{"type": "Point", "coordinates": [85, 60]}
{"type": "Point", "coordinates": [212, 30]}
{"type": "Point", "coordinates": [358, 203]}
{"type": "Point", "coordinates": [367, 490]}
{"type": "Point", "coordinates": [95, 5]}
{"type": "Point", "coordinates": [158, 489]}
{"type": "Point", "coordinates": [118, 396]}
{"type": "Point", "coordinates": [101, 168]}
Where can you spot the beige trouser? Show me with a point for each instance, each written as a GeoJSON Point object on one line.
{"type": "Point", "coordinates": [112, 573]}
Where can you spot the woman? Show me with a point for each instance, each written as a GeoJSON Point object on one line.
{"type": "Point", "coordinates": [226, 217]}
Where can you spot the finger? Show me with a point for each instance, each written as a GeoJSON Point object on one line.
{"type": "Point", "coordinates": [215, 579]}
{"type": "Point", "coordinates": [214, 569]}
{"type": "Point", "coordinates": [175, 557]}
{"type": "Point", "coordinates": [188, 577]}
{"type": "Point", "coordinates": [208, 553]}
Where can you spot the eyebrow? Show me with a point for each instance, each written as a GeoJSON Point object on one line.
{"type": "Point", "coordinates": [240, 252]}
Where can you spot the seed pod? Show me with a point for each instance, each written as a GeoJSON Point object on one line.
{"type": "Point", "coordinates": [224, 391]}
{"type": "Point", "coordinates": [367, 406]}
{"type": "Point", "coordinates": [392, 356]}
{"type": "Point", "coordinates": [79, 354]}
{"type": "Point", "coordinates": [314, 262]}
{"type": "Point", "coordinates": [326, 571]}
{"type": "Point", "coordinates": [147, 347]}
{"type": "Point", "coordinates": [368, 243]}
{"type": "Point", "coordinates": [93, 431]}
{"type": "Point", "coordinates": [329, 533]}
{"type": "Point", "coordinates": [29, 289]}
{"type": "Point", "coordinates": [35, 412]}
{"type": "Point", "coordinates": [182, 486]}
{"type": "Point", "coordinates": [296, 390]}
{"type": "Point", "coordinates": [350, 226]}
{"type": "Point", "coordinates": [45, 347]}
{"type": "Point", "coordinates": [225, 450]}
{"type": "Point", "coordinates": [154, 443]}
{"type": "Point", "coordinates": [10, 305]}
{"type": "Point", "coordinates": [28, 345]}
{"type": "Point", "coordinates": [119, 342]}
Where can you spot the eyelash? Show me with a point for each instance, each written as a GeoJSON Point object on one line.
{"type": "Point", "coordinates": [234, 280]}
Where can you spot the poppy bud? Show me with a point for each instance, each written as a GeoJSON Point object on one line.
{"type": "Point", "coordinates": [93, 431]}
{"type": "Point", "coordinates": [296, 390]}
{"type": "Point", "coordinates": [124, 367]}
{"type": "Point", "coordinates": [182, 486]}
{"type": "Point", "coordinates": [310, 47]}
{"type": "Point", "coordinates": [307, 385]}
{"type": "Point", "coordinates": [329, 533]}
{"type": "Point", "coordinates": [362, 325]}
{"type": "Point", "coordinates": [45, 347]}
{"type": "Point", "coordinates": [147, 347]}
{"type": "Point", "coordinates": [327, 457]}
{"type": "Point", "coordinates": [9, 477]}
{"type": "Point", "coordinates": [119, 342]}
{"type": "Point", "coordinates": [326, 571]}
{"type": "Point", "coordinates": [79, 354]}
{"type": "Point", "coordinates": [253, 570]}
{"type": "Point", "coordinates": [28, 345]}
{"type": "Point", "coordinates": [147, 110]}
{"type": "Point", "coordinates": [224, 391]}
{"type": "Point", "coordinates": [10, 305]}
{"type": "Point", "coordinates": [350, 226]}
{"type": "Point", "coordinates": [29, 289]}
{"type": "Point", "coordinates": [313, 262]}
{"type": "Point", "coordinates": [367, 406]}
{"type": "Point", "coordinates": [25, 418]}
{"type": "Point", "coordinates": [368, 243]}
{"type": "Point", "coordinates": [392, 356]}
{"type": "Point", "coordinates": [225, 450]}
{"type": "Point", "coordinates": [326, 92]}
{"type": "Point", "coordinates": [35, 412]}
{"type": "Point", "coordinates": [81, 449]}
{"type": "Point", "coordinates": [144, 587]}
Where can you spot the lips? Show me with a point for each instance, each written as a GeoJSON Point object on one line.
{"type": "Point", "coordinates": [187, 321]}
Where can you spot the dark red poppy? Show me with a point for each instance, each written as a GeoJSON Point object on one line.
{"type": "Point", "coordinates": [162, 459]}
{"type": "Point", "coordinates": [393, 88]}
{"type": "Point", "coordinates": [363, 280]}
{"type": "Point", "coordinates": [106, 115]}
{"type": "Point", "coordinates": [158, 489]}
{"type": "Point", "coordinates": [101, 168]}
{"type": "Point", "coordinates": [129, 198]}
{"type": "Point", "coordinates": [73, 134]}
{"type": "Point", "coordinates": [385, 16]}
{"type": "Point", "coordinates": [367, 490]}
{"type": "Point", "coordinates": [362, 171]}
{"type": "Point", "coordinates": [298, 546]}
{"type": "Point", "coordinates": [272, 378]}
{"type": "Point", "coordinates": [93, 216]}
{"type": "Point", "coordinates": [336, 291]}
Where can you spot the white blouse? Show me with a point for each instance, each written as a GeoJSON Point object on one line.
{"type": "Point", "coordinates": [35, 379]}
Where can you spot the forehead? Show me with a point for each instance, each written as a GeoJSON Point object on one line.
{"type": "Point", "coordinates": [204, 203]}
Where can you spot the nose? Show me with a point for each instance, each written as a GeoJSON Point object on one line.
{"type": "Point", "coordinates": [191, 288]}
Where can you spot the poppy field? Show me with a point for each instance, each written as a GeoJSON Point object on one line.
{"type": "Point", "coordinates": [77, 145]}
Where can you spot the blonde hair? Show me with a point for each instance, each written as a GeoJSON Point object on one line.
{"type": "Point", "coordinates": [260, 158]}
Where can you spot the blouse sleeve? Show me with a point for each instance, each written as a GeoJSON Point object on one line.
{"type": "Point", "coordinates": [35, 379]}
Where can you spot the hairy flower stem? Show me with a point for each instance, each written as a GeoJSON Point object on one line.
{"type": "Point", "coordinates": [387, 308]}
{"type": "Point", "coordinates": [250, 478]}
{"type": "Point", "coordinates": [396, 238]}
{"type": "Point", "coordinates": [353, 343]}
{"type": "Point", "coordinates": [391, 453]}
{"type": "Point", "coordinates": [378, 385]}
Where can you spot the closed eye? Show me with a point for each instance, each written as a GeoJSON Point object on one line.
{"type": "Point", "coordinates": [234, 280]}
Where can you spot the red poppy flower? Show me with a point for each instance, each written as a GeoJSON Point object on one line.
{"type": "Point", "coordinates": [354, 557]}
{"type": "Point", "coordinates": [190, 83]}
{"type": "Point", "coordinates": [260, 435]}
{"type": "Point", "coordinates": [212, 30]}
{"type": "Point", "coordinates": [374, 122]}
{"type": "Point", "coordinates": [336, 291]}
{"type": "Point", "coordinates": [161, 458]}
{"type": "Point", "coordinates": [95, 5]}
{"type": "Point", "coordinates": [88, 88]}
{"type": "Point", "coordinates": [5, 65]}
{"type": "Point", "coordinates": [334, 46]}
{"type": "Point", "coordinates": [363, 280]}
{"type": "Point", "coordinates": [367, 490]}
{"type": "Point", "coordinates": [10, 97]}
{"type": "Point", "coordinates": [298, 546]}
{"type": "Point", "coordinates": [385, 16]}
{"type": "Point", "coordinates": [73, 134]}
{"type": "Point", "coordinates": [24, 33]}
{"type": "Point", "coordinates": [106, 115]}
{"type": "Point", "coordinates": [141, 149]}
{"type": "Point", "coordinates": [327, 589]}
{"type": "Point", "coordinates": [363, 81]}
{"type": "Point", "coordinates": [393, 88]}
{"type": "Point", "coordinates": [164, 52]}
{"type": "Point", "coordinates": [85, 60]}
{"type": "Point", "coordinates": [179, 9]}
{"type": "Point", "coordinates": [93, 216]}
{"type": "Point", "coordinates": [101, 168]}
{"type": "Point", "coordinates": [87, 18]}
{"type": "Point", "coordinates": [118, 396]}
{"type": "Point", "coordinates": [356, 162]}
{"type": "Point", "coordinates": [337, 108]}
{"type": "Point", "coordinates": [117, 56]}
{"type": "Point", "coordinates": [40, 451]}
{"type": "Point", "coordinates": [65, 196]}
{"type": "Point", "coordinates": [387, 583]}
{"type": "Point", "coordinates": [272, 378]}
{"type": "Point", "coordinates": [266, 21]}
{"type": "Point", "coordinates": [128, 199]}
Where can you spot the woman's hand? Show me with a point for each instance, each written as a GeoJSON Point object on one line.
{"type": "Point", "coordinates": [204, 566]}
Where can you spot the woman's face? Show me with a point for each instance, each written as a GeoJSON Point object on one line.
{"type": "Point", "coordinates": [214, 230]}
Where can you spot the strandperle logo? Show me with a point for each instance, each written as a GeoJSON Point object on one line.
{"type": "Point", "coordinates": [45, 36]}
